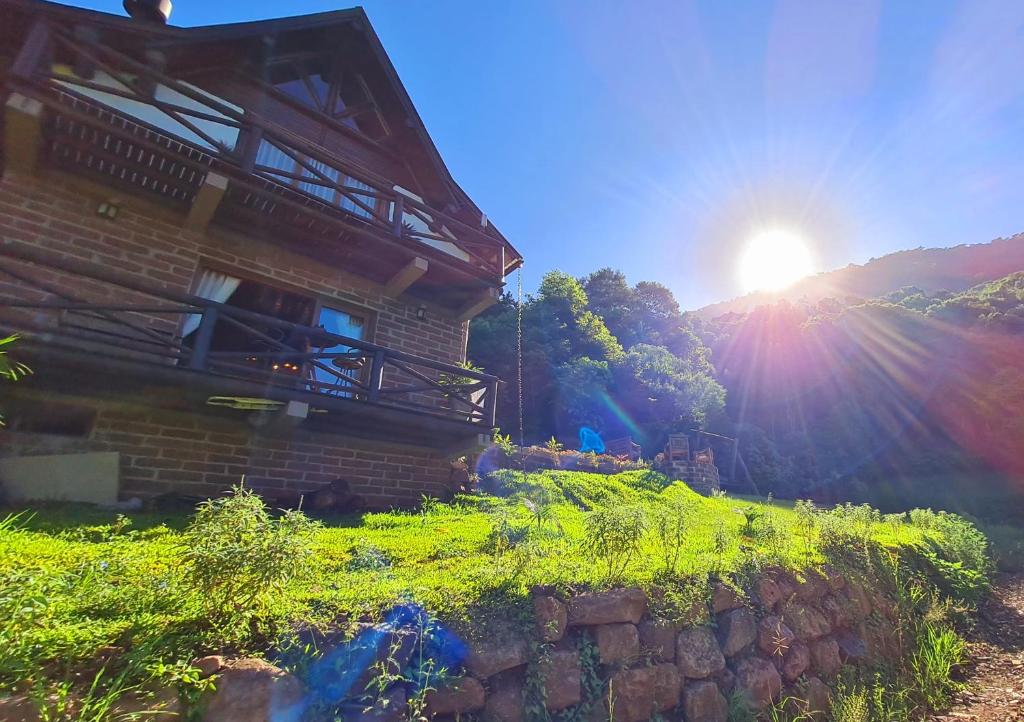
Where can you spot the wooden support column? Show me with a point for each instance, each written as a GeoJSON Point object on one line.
{"type": "Point", "coordinates": [208, 197]}
{"type": "Point", "coordinates": [406, 276]}
{"type": "Point", "coordinates": [478, 305]}
{"type": "Point", "coordinates": [23, 134]}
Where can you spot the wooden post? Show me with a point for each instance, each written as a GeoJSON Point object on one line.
{"type": "Point", "coordinates": [398, 213]}
{"type": "Point", "coordinates": [376, 379]}
{"type": "Point", "coordinates": [33, 53]}
{"type": "Point", "coordinates": [23, 133]}
{"type": "Point", "coordinates": [252, 139]}
{"type": "Point", "coordinates": [491, 405]}
{"type": "Point", "coordinates": [406, 276]}
{"type": "Point", "coordinates": [207, 199]}
{"type": "Point", "coordinates": [204, 337]}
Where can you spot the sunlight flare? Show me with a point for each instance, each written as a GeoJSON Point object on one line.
{"type": "Point", "coordinates": [774, 259]}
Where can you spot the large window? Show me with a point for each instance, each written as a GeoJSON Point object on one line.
{"type": "Point", "coordinates": [358, 199]}
{"type": "Point", "coordinates": [338, 93]}
{"type": "Point", "coordinates": [250, 347]}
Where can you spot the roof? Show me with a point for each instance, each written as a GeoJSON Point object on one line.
{"type": "Point", "coordinates": [170, 36]}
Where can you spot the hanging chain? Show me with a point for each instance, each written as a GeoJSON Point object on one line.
{"type": "Point", "coordinates": [519, 353]}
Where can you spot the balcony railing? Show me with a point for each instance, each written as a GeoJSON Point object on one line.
{"type": "Point", "coordinates": [124, 119]}
{"type": "Point", "coordinates": [95, 313]}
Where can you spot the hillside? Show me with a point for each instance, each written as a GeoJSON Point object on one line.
{"type": "Point", "coordinates": [930, 269]}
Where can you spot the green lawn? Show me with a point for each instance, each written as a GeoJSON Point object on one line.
{"type": "Point", "coordinates": [76, 582]}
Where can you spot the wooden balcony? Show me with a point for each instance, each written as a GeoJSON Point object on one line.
{"type": "Point", "coordinates": [125, 124]}
{"type": "Point", "coordinates": [97, 332]}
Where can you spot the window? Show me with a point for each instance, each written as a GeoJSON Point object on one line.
{"type": "Point", "coordinates": [337, 93]}
{"type": "Point", "coordinates": [340, 323]}
{"type": "Point", "coordinates": [272, 158]}
{"type": "Point", "coordinates": [251, 347]}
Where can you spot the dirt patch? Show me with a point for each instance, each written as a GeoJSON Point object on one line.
{"type": "Point", "coordinates": [996, 651]}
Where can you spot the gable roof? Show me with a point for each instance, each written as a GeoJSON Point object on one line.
{"type": "Point", "coordinates": [171, 37]}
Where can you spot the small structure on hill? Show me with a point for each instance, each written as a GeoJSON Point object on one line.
{"type": "Point", "coordinates": [697, 468]}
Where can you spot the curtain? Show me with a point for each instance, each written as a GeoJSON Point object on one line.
{"type": "Point", "coordinates": [213, 286]}
{"type": "Point", "coordinates": [350, 205]}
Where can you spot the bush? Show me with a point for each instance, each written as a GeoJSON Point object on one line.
{"type": "Point", "coordinates": [614, 533]}
{"type": "Point", "coordinates": [236, 552]}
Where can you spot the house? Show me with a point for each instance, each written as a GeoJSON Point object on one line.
{"type": "Point", "coordinates": [231, 250]}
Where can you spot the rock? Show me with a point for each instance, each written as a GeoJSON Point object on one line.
{"type": "Point", "coordinates": [489, 657]}
{"type": "Point", "coordinates": [208, 665]}
{"type": "Point", "coordinates": [458, 696]}
{"type": "Point", "coordinates": [631, 694]}
{"type": "Point", "coordinates": [702, 702]}
{"type": "Point", "coordinates": [816, 699]}
{"type": "Point", "coordinates": [724, 598]}
{"type": "Point", "coordinates": [161, 705]}
{"type": "Point", "coordinates": [806, 622]}
{"type": "Point", "coordinates": [19, 708]}
{"type": "Point", "coordinates": [562, 679]}
{"type": "Point", "coordinates": [658, 639]}
{"type": "Point", "coordinates": [668, 684]}
{"type": "Point", "coordinates": [617, 642]}
{"type": "Point", "coordinates": [837, 612]}
{"type": "Point", "coordinates": [736, 630]}
{"type": "Point", "coordinates": [759, 681]}
{"type": "Point", "coordinates": [617, 605]}
{"type": "Point", "coordinates": [833, 577]}
{"type": "Point", "coordinates": [768, 592]}
{"type": "Point", "coordinates": [725, 680]}
{"type": "Point", "coordinates": [860, 604]}
{"type": "Point", "coordinates": [787, 585]}
{"type": "Point", "coordinates": [796, 661]}
{"type": "Point", "coordinates": [392, 706]}
{"type": "Point", "coordinates": [505, 702]}
{"type": "Point", "coordinates": [852, 649]}
{"type": "Point", "coordinates": [697, 653]}
{"type": "Point", "coordinates": [812, 587]}
{"type": "Point", "coordinates": [253, 690]}
{"type": "Point", "coordinates": [825, 656]}
{"type": "Point", "coordinates": [551, 617]}
{"type": "Point", "coordinates": [774, 638]}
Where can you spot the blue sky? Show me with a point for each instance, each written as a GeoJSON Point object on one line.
{"type": "Point", "coordinates": [657, 136]}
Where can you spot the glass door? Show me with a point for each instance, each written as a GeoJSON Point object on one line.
{"type": "Point", "coordinates": [342, 323]}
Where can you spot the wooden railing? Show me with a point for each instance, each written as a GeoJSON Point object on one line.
{"type": "Point", "coordinates": [143, 325]}
{"type": "Point", "coordinates": [96, 119]}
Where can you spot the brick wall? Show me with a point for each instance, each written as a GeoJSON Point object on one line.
{"type": "Point", "coordinates": [148, 242]}
{"type": "Point", "coordinates": [202, 455]}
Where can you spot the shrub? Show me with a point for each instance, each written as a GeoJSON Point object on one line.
{"type": "Point", "coordinates": [671, 522]}
{"type": "Point", "coordinates": [614, 533]}
{"type": "Point", "coordinates": [236, 552]}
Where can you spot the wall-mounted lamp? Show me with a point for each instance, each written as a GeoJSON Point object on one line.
{"type": "Point", "coordinates": [421, 313]}
{"type": "Point", "coordinates": [108, 209]}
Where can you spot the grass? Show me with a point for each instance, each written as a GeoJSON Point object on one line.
{"type": "Point", "coordinates": [79, 585]}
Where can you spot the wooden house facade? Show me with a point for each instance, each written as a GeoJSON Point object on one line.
{"type": "Point", "coordinates": [233, 250]}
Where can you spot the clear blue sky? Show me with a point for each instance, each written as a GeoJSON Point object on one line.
{"type": "Point", "coordinates": [656, 136]}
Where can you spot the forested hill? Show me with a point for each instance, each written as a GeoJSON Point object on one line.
{"type": "Point", "coordinates": [930, 269]}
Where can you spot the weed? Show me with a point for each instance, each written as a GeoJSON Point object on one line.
{"type": "Point", "coordinates": [614, 534]}
{"type": "Point", "coordinates": [237, 553]}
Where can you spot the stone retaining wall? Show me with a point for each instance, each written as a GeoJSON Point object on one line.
{"type": "Point", "coordinates": [609, 656]}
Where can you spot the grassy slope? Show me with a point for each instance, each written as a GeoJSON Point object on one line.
{"type": "Point", "coordinates": [73, 582]}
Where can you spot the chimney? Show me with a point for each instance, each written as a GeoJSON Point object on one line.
{"type": "Point", "coordinates": [154, 11]}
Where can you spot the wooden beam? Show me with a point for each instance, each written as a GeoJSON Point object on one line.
{"type": "Point", "coordinates": [23, 133]}
{"type": "Point", "coordinates": [406, 276]}
{"type": "Point", "coordinates": [208, 198]}
{"type": "Point", "coordinates": [478, 305]}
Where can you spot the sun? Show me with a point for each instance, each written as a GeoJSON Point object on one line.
{"type": "Point", "coordinates": [774, 259]}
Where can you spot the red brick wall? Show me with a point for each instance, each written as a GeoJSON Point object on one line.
{"type": "Point", "coordinates": [199, 454]}
{"type": "Point", "coordinates": [196, 454]}
{"type": "Point", "coordinates": [51, 213]}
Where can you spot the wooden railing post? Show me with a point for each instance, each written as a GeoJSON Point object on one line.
{"type": "Point", "coordinates": [491, 405]}
{"type": "Point", "coordinates": [204, 337]}
{"type": "Point", "coordinates": [398, 214]}
{"type": "Point", "coordinates": [252, 138]}
{"type": "Point", "coordinates": [376, 379]}
{"type": "Point", "coordinates": [33, 53]}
